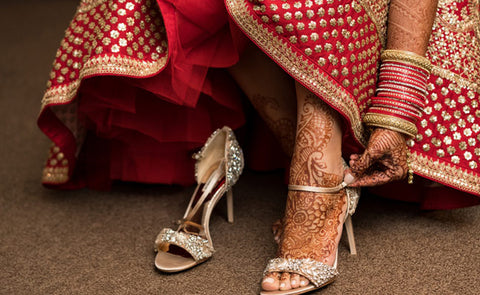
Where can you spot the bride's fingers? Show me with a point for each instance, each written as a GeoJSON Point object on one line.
{"type": "Point", "coordinates": [360, 165]}
{"type": "Point", "coordinates": [373, 179]}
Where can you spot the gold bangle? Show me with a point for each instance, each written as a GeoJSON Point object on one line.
{"type": "Point", "coordinates": [391, 122]}
{"type": "Point", "coordinates": [408, 57]}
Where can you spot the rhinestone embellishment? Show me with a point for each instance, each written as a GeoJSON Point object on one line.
{"type": "Point", "coordinates": [316, 272]}
{"type": "Point", "coordinates": [197, 246]}
{"type": "Point", "coordinates": [234, 160]}
{"type": "Point", "coordinates": [233, 156]}
{"type": "Point", "coordinates": [353, 195]}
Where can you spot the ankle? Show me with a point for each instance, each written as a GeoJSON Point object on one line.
{"type": "Point", "coordinates": [325, 180]}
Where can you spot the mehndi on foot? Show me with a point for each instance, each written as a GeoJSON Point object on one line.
{"type": "Point", "coordinates": [307, 254]}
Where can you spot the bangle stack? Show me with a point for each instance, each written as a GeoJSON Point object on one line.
{"type": "Point", "coordinates": [401, 92]}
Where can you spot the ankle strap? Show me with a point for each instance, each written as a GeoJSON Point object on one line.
{"type": "Point", "coordinates": [315, 189]}
{"type": "Point", "coordinates": [324, 190]}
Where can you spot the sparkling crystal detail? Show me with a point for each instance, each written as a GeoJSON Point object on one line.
{"type": "Point", "coordinates": [316, 272]}
{"type": "Point", "coordinates": [197, 246]}
{"type": "Point", "coordinates": [233, 155]}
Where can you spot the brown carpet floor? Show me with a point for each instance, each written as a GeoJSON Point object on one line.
{"type": "Point", "coordinates": [88, 242]}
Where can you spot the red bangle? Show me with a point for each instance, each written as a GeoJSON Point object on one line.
{"type": "Point", "coordinates": [406, 74]}
{"type": "Point", "coordinates": [393, 114]}
{"type": "Point", "coordinates": [403, 79]}
{"type": "Point", "coordinates": [403, 98]}
{"type": "Point", "coordinates": [399, 111]}
{"type": "Point", "coordinates": [407, 66]}
{"type": "Point", "coordinates": [399, 104]}
{"type": "Point", "coordinates": [401, 91]}
{"type": "Point", "coordinates": [383, 86]}
{"type": "Point", "coordinates": [422, 90]}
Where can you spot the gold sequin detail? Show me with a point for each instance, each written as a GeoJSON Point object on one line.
{"type": "Point", "coordinates": [106, 35]}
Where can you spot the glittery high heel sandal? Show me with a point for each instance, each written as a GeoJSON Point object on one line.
{"type": "Point", "coordinates": [319, 274]}
{"type": "Point", "coordinates": [218, 167]}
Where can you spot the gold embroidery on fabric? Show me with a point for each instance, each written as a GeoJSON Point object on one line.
{"type": "Point", "coordinates": [465, 83]}
{"type": "Point", "coordinates": [377, 10]}
{"type": "Point", "coordinates": [451, 35]}
{"type": "Point", "coordinates": [302, 70]}
{"type": "Point", "coordinates": [95, 32]}
{"type": "Point", "coordinates": [450, 128]}
{"type": "Point", "coordinates": [61, 94]}
{"type": "Point", "coordinates": [56, 170]}
{"type": "Point", "coordinates": [55, 175]}
{"type": "Point", "coordinates": [475, 11]}
{"type": "Point", "coordinates": [104, 38]}
{"type": "Point", "coordinates": [445, 173]}
{"type": "Point", "coordinates": [86, 5]}
{"type": "Point", "coordinates": [103, 65]}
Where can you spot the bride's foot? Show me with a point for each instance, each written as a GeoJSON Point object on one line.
{"type": "Point", "coordinates": [311, 229]}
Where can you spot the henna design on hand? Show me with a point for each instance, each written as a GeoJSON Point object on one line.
{"type": "Point", "coordinates": [384, 160]}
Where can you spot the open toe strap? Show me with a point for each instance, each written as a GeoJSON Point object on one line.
{"type": "Point", "coordinates": [195, 245]}
{"type": "Point", "coordinates": [316, 272]}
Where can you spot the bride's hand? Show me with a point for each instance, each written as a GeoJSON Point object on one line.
{"type": "Point", "coordinates": [384, 159]}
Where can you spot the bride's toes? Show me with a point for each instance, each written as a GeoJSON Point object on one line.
{"type": "Point", "coordinates": [294, 280]}
{"type": "Point", "coordinates": [285, 281]}
{"type": "Point", "coordinates": [277, 228]}
{"type": "Point", "coordinates": [303, 281]}
{"type": "Point", "coordinates": [271, 281]}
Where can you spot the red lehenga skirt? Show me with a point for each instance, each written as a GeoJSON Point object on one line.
{"type": "Point", "coordinates": [136, 86]}
{"type": "Point", "coordinates": [333, 48]}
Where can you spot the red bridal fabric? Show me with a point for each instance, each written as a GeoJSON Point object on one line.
{"type": "Point", "coordinates": [333, 49]}
{"type": "Point", "coordinates": [136, 86]}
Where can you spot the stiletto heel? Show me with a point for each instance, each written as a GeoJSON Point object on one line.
{"type": "Point", "coordinates": [319, 274]}
{"type": "Point", "coordinates": [218, 167]}
{"type": "Point", "coordinates": [230, 206]}
{"type": "Point", "coordinates": [351, 237]}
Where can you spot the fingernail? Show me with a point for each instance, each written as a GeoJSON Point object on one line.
{"type": "Point", "coordinates": [282, 285]}
{"type": "Point", "coordinates": [303, 283]}
{"type": "Point", "coordinates": [349, 178]}
{"type": "Point", "coordinates": [294, 282]}
{"type": "Point", "coordinates": [269, 280]}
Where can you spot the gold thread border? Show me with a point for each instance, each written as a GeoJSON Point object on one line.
{"type": "Point", "coordinates": [381, 31]}
{"type": "Point", "coordinates": [103, 65]}
{"type": "Point", "coordinates": [297, 67]}
{"type": "Point", "coordinates": [451, 76]}
{"type": "Point", "coordinates": [55, 175]}
{"type": "Point", "coordinates": [474, 7]}
{"type": "Point", "coordinates": [446, 173]}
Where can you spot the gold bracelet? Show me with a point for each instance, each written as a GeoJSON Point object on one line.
{"type": "Point", "coordinates": [408, 57]}
{"type": "Point", "coordinates": [391, 122]}
{"type": "Point", "coordinates": [409, 165]}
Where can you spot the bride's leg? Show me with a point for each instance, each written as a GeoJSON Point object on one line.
{"type": "Point", "coordinates": [272, 93]}
{"type": "Point", "coordinates": [313, 221]}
